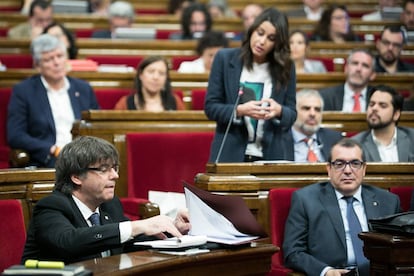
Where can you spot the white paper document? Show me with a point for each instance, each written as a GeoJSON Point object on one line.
{"type": "Point", "coordinates": [175, 243]}
{"type": "Point", "coordinates": [169, 202]}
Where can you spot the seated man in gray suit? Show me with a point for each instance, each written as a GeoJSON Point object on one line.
{"type": "Point", "coordinates": [352, 95]}
{"type": "Point", "coordinates": [312, 10]}
{"type": "Point", "coordinates": [385, 141]}
{"type": "Point", "coordinates": [308, 137]}
{"type": "Point", "coordinates": [321, 234]}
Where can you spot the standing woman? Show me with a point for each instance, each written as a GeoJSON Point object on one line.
{"type": "Point", "coordinates": [262, 66]}
{"type": "Point", "coordinates": [153, 88]}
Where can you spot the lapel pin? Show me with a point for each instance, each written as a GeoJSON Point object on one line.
{"type": "Point", "coordinates": [375, 203]}
{"type": "Point", "coordinates": [77, 94]}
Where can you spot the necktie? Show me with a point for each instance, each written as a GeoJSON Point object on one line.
{"type": "Point", "coordinates": [357, 103]}
{"type": "Point", "coordinates": [311, 157]}
{"type": "Point", "coordinates": [354, 229]}
{"type": "Point", "coordinates": [94, 219]}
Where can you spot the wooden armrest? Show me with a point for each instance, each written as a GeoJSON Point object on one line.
{"type": "Point", "coordinates": [149, 209]}
{"type": "Point", "coordinates": [19, 158]}
{"type": "Point", "coordinates": [295, 273]}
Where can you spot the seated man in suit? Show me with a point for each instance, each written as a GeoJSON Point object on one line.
{"type": "Point", "coordinates": [120, 15]}
{"type": "Point", "coordinates": [389, 47]}
{"type": "Point", "coordinates": [83, 219]}
{"type": "Point", "coordinates": [407, 16]}
{"type": "Point", "coordinates": [309, 142]}
{"type": "Point", "coordinates": [311, 10]}
{"type": "Point", "coordinates": [321, 233]}
{"type": "Point", "coordinates": [352, 96]}
{"type": "Point", "coordinates": [43, 108]}
{"type": "Point", "coordinates": [385, 141]}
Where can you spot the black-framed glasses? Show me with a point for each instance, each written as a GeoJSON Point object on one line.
{"type": "Point", "coordinates": [105, 168]}
{"type": "Point", "coordinates": [339, 164]}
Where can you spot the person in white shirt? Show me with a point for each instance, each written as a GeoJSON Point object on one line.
{"type": "Point", "coordinates": [207, 47]}
{"type": "Point", "coordinates": [385, 141]}
{"type": "Point", "coordinates": [377, 15]}
{"type": "Point", "coordinates": [311, 10]}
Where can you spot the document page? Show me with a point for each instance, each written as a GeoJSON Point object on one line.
{"type": "Point", "coordinates": [174, 243]}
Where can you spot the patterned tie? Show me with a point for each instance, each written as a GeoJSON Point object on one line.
{"type": "Point", "coordinates": [354, 229]}
{"type": "Point", "coordinates": [357, 103]}
{"type": "Point", "coordinates": [94, 219]}
{"type": "Point", "coordinates": [311, 157]}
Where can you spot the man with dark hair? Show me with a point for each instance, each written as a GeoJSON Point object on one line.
{"type": "Point", "coordinates": [321, 232]}
{"type": "Point", "coordinates": [407, 15]}
{"type": "Point", "coordinates": [385, 141]}
{"type": "Point", "coordinates": [389, 47]}
{"type": "Point", "coordinates": [83, 219]}
{"type": "Point", "coordinates": [40, 15]}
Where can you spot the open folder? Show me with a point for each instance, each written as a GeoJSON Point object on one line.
{"type": "Point", "coordinates": [221, 218]}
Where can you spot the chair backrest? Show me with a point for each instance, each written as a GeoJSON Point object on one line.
{"type": "Point", "coordinates": [162, 161]}
{"type": "Point", "coordinates": [197, 99]}
{"type": "Point", "coordinates": [108, 97]}
{"type": "Point", "coordinates": [404, 193]}
{"type": "Point", "coordinates": [5, 94]}
{"type": "Point", "coordinates": [12, 232]}
{"type": "Point", "coordinates": [17, 61]}
{"type": "Point", "coordinates": [279, 205]}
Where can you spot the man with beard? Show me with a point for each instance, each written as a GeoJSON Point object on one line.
{"type": "Point", "coordinates": [389, 47]}
{"type": "Point", "coordinates": [308, 139]}
{"type": "Point", "coordinates": [407, 16]}
{"type": "Point", "coordinates": [352, 96]}
{"type": "Point", "coordinates": [385, 141]}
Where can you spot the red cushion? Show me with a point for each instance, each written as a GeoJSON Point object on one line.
{"type": "Point", "coordinates": [84, 33]}
{"type": "Point", "coordinates": [5, 94]}
{"type": "Point", "coordinates": [17, 61]}
{"type": "Point", "coordinates": [162, 161]}
{"type": "Point", "coordinates": [108, 97]}
{"type": "Point", "coordinates": [279, 204]}
{"type": "Point", "coordinates": [13, 233]}
{"type": "Point", "coordinates": [130, 206]}
{"type": "Point", "coordinates": [164, 34]}
{"type": "Point", "coordinates": [176, 61]}
{"type": "Point", "coordinates": [197, 99]}
{"type": "Point", "coordinates": [404, 193]}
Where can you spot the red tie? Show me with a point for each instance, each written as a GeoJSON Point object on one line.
{"type": "Point", "coordinates": [357, 103]}
{"type": "Point", "coordinates": [311, 154]}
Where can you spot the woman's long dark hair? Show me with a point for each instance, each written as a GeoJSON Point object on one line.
{"type": "Point", "coordinates": [280, 64]}
{"type": "Point", "coordinates": [167, 97]}
{"type": "Point", "coordinates": [186, 19]}
{"type": "Point", "coordinates": [73, 49]}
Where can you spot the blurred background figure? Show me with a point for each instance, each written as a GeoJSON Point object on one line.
{"type": "Point", "coordinates": [407, 16]}
{"type": "Point", "coordinates": [220, 9]}
{"type": "Point", "coordinates": [248, 15]}
{"type": "Point", "coordinates": [61, 32]}
{"type": "Point", "coordinates": [176, 7]}
{"type": "Point", "coordinates": [207, 47]}
{"type": "Point", "coordinates": [311, 10]}
{"type": "Point", "coordinates": [99, 7]}
{"type": "Point", "coordinates": [120, 15]}
{"type": "Point", "coordinates": [153, 88]}
{"type": "Point", "coordinates": [40, 15]}
{"type": "Point", "coordinates": [334, 26]}
{"type": "Point", "coordinates": [195, 20]}
{"type": "Point", "coordinates": [299, 48]}
{"type": "Point", "coordinates": [377, 15]}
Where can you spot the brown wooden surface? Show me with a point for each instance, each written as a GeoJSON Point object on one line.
{"type": "Point", "coordinates": [252, 181]}
{"type": "Point", "coordinates": [388, 254]}
{"type": "Point", "coordinates": [247, 261]}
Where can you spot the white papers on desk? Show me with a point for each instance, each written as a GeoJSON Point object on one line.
{"type": "Point", "coordinates": [169, 202]}
{"type": "Point", "coordinates": [175, 243]}
{"type": "Point", "coordinates": [206, 221]}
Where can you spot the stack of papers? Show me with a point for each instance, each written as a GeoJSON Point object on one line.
{"type": "Point", "coordinates": [175, 243]}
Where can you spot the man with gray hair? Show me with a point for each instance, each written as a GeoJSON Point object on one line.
{"type": "Point", "coordinates": [121, 15]}
{"type": "Point", "coordinates": [43, 108]}
{"type": "Point", "coordinates": [310, 142]}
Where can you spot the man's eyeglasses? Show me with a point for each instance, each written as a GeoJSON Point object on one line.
{"type": "Point", "coordinates": [341, 164]}
{"type": "Point", "coordinates": [104, 168]}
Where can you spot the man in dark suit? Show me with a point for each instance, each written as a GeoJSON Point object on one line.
{"type": "Point", "coordinates": [320, 238]}
{"type": "Point", "coordinates": [42, 108]}
{"type": "Point", "coordinates": [384, 140]}
{"type": "Point", "coordinates": [352, 95]}
{"type": "Point", "coordinates": [307, 134]}
{"type": "Point", "coordinates": [120, 15]}
{"type": "Point", "coordinates": [62, 227]}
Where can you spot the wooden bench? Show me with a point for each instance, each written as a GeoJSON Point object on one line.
{"type": "Point", "coordinates": [253, 181]}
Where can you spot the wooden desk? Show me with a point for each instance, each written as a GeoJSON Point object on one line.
{"type": "Point", "coordinates": [246, 261]}
{"type": "Point", "coordinates": [253, 181]}
{"type": "Point", "coordinates": [389, 255]}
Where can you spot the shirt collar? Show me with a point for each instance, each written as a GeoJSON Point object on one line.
{"type": "Point", "coordinates": [349, 93]}
{"type": "Point", "coordinates": [357, 195]}
{"type": "Point", "coordinates": [378, 143]}
{"type": "Point", "coordinates": [65, 87]}
{"type": "Point", "coordinates": [299, 136]}
{"type": "Point", "coordinates": [85, 211]}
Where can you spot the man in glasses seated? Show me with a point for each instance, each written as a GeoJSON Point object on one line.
{"type": "Point", "coordinates": [321, 234]}
{"type": "Point", "coordinates": [83, 219]}
{"type": "Point", "coordinates": [389, 48]}
{"type": "Point", "coordinates": [384, 140]}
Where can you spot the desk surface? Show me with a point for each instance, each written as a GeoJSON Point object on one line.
{"type": "Point", "coordinates": [245, 261]}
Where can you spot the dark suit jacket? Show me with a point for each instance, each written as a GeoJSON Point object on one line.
{"type": "Point", "coordinates": [405, 145]}
{"type": "Point", "coordinates": [102, 34]}
{"type": "Point", "coordinates": [333, 97]}
{"type": "Point", "coordinates": [314, 232]}
{"type": "Point", "coordinates": [222, 91]}
{"type": "Point", "coordinates": [326, 138]}
{"type": "Point", "coordinates": [300, 12]}
{"type": "Point", "coordinates": [58, 231]}
{"type": "Point", "coordinates": [30, 124]}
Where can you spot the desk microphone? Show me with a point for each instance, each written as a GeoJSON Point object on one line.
{"type": "Point", "coordinates": [240, 93]}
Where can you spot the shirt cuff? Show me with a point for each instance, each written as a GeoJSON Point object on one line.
{"type": "Point", "coordinates": [125, 230]}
